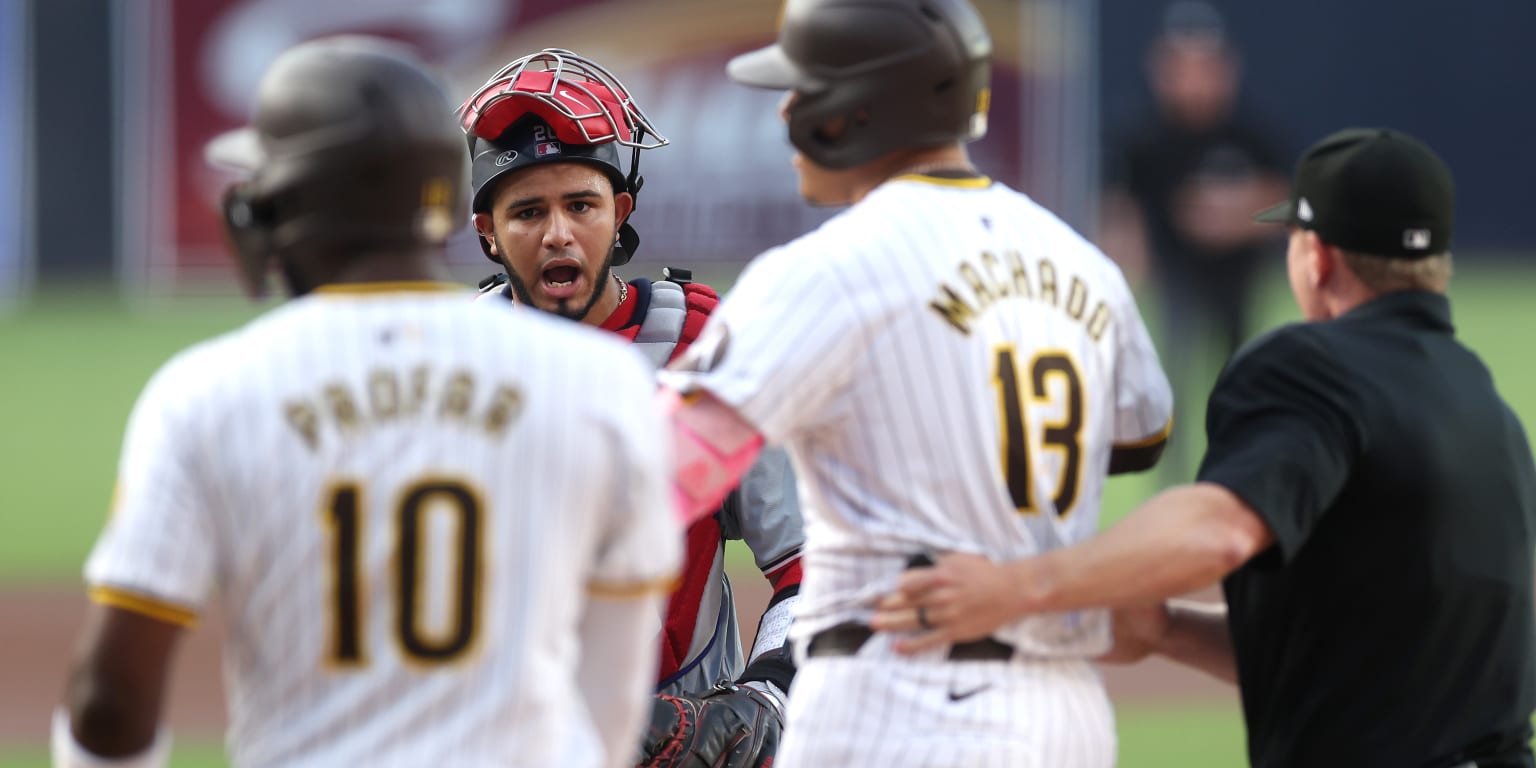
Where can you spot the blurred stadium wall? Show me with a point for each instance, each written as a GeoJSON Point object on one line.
{"type": "Point", "coordinates": [104, 108]}
{"type": "Point", "coordinates": [173, 73]}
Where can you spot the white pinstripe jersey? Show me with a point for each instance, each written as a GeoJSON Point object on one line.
{"type": "Point", "coordinates": [949, 365]}
{"type": "Point", "coordinates": [400, 499]}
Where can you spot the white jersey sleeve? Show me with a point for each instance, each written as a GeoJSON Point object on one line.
{"type": "Point", "coordinates": [639, 551]}
{"type": "Point", "coordinates": [1143, 397]}
{"type": "Point", "coordinates": [157, 554]}
{"type": "Point", "coordinates": [640, 548]}
{"type": "Point", "coordinates": [799, 324]}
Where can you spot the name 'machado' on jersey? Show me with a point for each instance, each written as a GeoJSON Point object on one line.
{"type": "Point", "coordinates": [991, 278]}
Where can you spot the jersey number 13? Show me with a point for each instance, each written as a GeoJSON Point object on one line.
{"type": "Point", "coordinates": [1064, 436]}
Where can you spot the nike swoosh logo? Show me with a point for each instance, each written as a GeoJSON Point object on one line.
{"type": "Point", "coordinates": [962, 696]}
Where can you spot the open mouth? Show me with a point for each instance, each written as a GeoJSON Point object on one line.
{"type": "Point", "coordinates": [561, 277]}
{"type": "Point", "coordinates": [562, 281]}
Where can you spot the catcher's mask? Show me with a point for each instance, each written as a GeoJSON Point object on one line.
{"type": "Point", "coordinates": [353, 147]}
{"type": "Point", "coordinates": [550, 107]}
{"type": "Point", "coordinates": [898, 74]}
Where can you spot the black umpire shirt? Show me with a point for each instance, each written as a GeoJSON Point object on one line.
{"type": "Point", "coordinates": [1392, 623]}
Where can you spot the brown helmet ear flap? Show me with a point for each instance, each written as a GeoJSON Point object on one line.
{"type": "Point", "coordinates": [248, 224]}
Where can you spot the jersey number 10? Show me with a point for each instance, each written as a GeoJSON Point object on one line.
{"type": "Point", "coordinates": [344, 517]}
{"type": "Point", "coordinates": [1065, 436]}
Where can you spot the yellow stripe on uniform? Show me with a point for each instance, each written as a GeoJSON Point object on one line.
{"type": "Point", "coordinates": [973, 182]}
{"type": "Point", "coordinates": [1150, 440]}
{"type": "Point", "coordinates": [169, 613]}
{"type": "Point", "coordinates": [631, 590]}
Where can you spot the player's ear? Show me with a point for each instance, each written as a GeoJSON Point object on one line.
{"type": "Point", "coordinates": [623, 205]}
{"type": "Point", "coordinates": [1322, 259]}
{"type": "Point", "coordinates": [249, 220]}
{"type": "Point", "coordinates": [486, 228]}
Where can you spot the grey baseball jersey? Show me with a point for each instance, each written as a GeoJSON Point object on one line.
{"type": "Point", "coordinates": [950, 366]}
{"type": "Point", "coordinates": [403, 500]}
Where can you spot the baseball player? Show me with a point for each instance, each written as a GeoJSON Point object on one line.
{"type": "Point", "coordinates": [952, 368]}
{"type": "Point", "coordinates": [544, 135]}
{"type": "Point", "coordinates": [375, 478]}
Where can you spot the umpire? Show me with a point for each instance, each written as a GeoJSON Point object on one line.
{"type": "Point", "coordinates": [1391, 623]}
{"type": "Point", "coordinates": [1367, 496]}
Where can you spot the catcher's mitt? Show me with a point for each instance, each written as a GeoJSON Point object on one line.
{"type": "Point", "coordinates": [731, 726]}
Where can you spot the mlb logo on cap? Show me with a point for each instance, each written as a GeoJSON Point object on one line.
{"type": "Point", "coordinates": [1416, 239]}
{"type": "Point", "coordinates": [546, 148]}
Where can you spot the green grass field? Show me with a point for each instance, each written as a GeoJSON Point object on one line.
{"type": "Point", "coordinates": [70, 368]}
{"type": "Point", "coordinates": [1191, 737]}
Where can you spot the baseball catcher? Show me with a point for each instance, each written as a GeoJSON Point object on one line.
{"type": "Point", "coordinates": [551, 203]}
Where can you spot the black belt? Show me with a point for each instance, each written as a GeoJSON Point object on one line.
{"type": "Point", "coordinates": [847, 638]}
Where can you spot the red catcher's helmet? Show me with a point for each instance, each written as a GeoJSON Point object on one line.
{"type": "Point", "coordinates": [555, 106]}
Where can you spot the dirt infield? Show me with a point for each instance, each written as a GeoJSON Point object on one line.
{"type": "Point", "coordinates": [39, 627]}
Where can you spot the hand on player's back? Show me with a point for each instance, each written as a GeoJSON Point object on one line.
{"type": "Point", "coordinates": [961, 597]}
{"type": "Point", "coordinates": [1138, 632]}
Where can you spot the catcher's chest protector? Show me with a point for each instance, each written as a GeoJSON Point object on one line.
{"type": "Point", "coordinates": [663, 324]}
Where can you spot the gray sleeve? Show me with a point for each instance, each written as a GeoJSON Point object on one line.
{"type": "Point", "coordinates": [765, 511]}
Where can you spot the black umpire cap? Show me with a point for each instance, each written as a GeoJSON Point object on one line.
{"type": "Point", "coordinates": [1372, 190]}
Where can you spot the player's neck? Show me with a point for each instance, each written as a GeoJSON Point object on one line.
{"type": "Point", "coordinates": [614, 293]}
{"type": "Point", "coordinates": [1345, 292]}
{"type": "Point", "coordinates": [947, 158]}
{"type": "Point", "coordinates": [386, 268]}
{"type": "Point", "coordinates": [1341, 302]}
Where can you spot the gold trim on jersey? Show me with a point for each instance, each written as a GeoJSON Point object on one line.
{"type": "Point", "coordinates": [633, 589]}
{"type": "Point", "coordinates": [154, 608]}
{"type": "Point", "coordinates": [975, 182]}
{"type": "Point", "coordinates": [1150, 440]}
{"type": "Point", "coordinates": [390, 286]}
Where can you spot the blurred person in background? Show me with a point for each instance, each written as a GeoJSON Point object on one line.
{"type": "Point", "coordinates": [1182, 185]}
{"type": "Point", "coordinates": [551, 203]}
{"type": "Point", "coordinates": [432, 527]}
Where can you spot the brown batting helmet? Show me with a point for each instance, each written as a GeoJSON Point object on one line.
{"type": "Point", "coordinates": [353, 145]}
{"type": "Point", "coordinates": [900, 73]}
